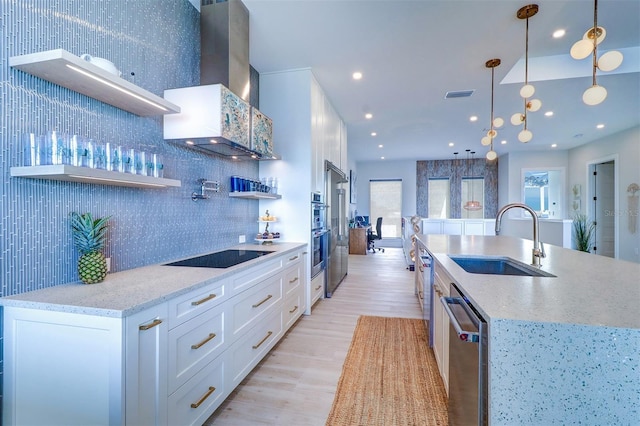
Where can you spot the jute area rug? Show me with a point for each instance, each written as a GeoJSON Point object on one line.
{"type": "Point", "coordinates": [389, 377]}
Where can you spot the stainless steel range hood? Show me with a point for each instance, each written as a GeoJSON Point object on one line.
{"type": "Point", "coordinates": [224, 46]}
{"type": "Point", "coordinates": [216, 116]}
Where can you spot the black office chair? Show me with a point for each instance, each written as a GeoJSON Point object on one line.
{"type": "Point", "coordinates": [371, 237]}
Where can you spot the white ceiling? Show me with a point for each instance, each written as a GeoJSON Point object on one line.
{"type": "Point", "coordinates": [412, 52]}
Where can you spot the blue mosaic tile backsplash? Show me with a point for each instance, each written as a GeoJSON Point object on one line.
{"type": "Point", "coordinates": [156, 45]}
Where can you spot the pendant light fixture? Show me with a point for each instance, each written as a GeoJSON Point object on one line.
{"type": "Point", "coordinates": [527, 90]}
{"type": "Point", "coordinates": [471, 204]}
{"type": "Point", "coordinates": [497, 122]}
{"type": "Point", "coordinates": [607, 62]}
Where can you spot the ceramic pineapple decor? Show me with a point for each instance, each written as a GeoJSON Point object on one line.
{"type": "Point", "coordinates": [89, 237]}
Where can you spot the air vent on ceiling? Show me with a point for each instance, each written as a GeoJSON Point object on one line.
{"type": "Point", "coordinates": [459, 94]}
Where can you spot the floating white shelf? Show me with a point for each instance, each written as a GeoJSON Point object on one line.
{"type": "Point", "coordinates": [253, 195]}
{"type": "Point", "coordinates": [97, 176]}
{"type": "Point", "coordinates": [65, 69]}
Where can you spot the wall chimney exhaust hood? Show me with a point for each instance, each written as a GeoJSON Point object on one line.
{"type": "Point", "coordinates": [215, 120]}
{"type": "Point", "coordinates": [216, 117]}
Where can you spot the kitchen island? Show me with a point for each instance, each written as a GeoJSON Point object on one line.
{"type": "Point", "coordinates": [153, 345]}
{"type": "Point", "coordinates": [563, 349]}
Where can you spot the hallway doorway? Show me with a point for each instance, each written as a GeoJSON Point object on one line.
{"type": "Point", "coordinates": [602, 208]}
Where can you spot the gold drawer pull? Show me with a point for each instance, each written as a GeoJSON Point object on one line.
{"type": "Point", "coordinates": [263, 340]}
{"type": "Point", "coordinates": [293, 258]}
{"type": "Point", "coordinates": [318, 288]}
{"type": "Point", "coordinates": [205, 396]}
{"type": "Point", "coordinates": [209, 337]}
{"type": "Point", "coordinates": [201, 301]}
{"type": "Point", "coordinates": [262, 301]}
{"type": "Point", "coordinates": [293, 280]}
{"type": "Point", "coordinates": [295, 308]}
{"type": "Point", "coordinates": [150, 325]}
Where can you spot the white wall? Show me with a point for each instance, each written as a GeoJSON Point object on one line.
{"type": "Point", "coordinates": [510, 175]}
{"type": "Point", "coordinates": [626, 146]}
{"type": "Point", "coordinates": [405, 170]}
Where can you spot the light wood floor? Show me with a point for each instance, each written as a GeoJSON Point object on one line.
{"type": "Point", "coordinates": [296, 381]}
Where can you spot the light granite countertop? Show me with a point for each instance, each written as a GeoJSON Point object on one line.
{"type": "Point", "coordinates": [124, 293]}
{"type": "Point", "coordinates": [588, 289]}
{"type": "Point", "coordinates": [561, 350]}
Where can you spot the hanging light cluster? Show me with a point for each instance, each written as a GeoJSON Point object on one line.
{"type": "Point", "coordinates": [471, 204]}
{"type": "Point", "coordinates": [497, 122]}
{"type": "Point", "coordinates": [607, 62]}
{"type": "Point", "coordinates": [527, 90]}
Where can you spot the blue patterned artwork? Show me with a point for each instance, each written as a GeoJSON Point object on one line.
{"type": "Point", "coordinates": [235, 118]}
{"type": "Point", "coordinates": [261, 133]}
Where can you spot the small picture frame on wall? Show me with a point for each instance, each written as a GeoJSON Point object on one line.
{"type": "Point", "coordinates": [352, 187]}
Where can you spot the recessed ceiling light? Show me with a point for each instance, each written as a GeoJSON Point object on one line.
{"type": "Point", "coordinates": [473, 118]}
{"type": "Point", "coordinates": [559, 33]}
{"type": "Point", "coordinates": [368, 116]}
{"type": "Point", "coordinates": [374, 134]}
{"type": "Point", "coordinates": [380, 146]}
{"type": "Point", "coordinates": [600, 126]}
{"type": "Point", "coordinates": [548, 113]}
{"type": "Point", "coordinates": [382, 158]}
{"type": "Point", "coordinates": [503, 142]}
{"type": "Point", "coordinates": [451, 144]}
{"type": "Point", "coordinates": [554, 145]}
{"type": "Point", "coordinates": [357, 75]}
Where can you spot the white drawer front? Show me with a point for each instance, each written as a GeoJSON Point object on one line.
{"type": "Point", "coordinates": [250, 306]}
{"type": "Point", "coordinates": [292, 309]}
{"type": "Point", "coordinates": [292, 258]}
{"type": "Point", "coordinates": [194, 344]}
{"type": "Point", "coordinates": [251, 348]}
{"type": "Point", "coordinates": [187, 306]}
{"type": "Point", "coordinates": [197, 399]}
{"type": "Point", "coordinates": [317, 287]}
{"type": "Point", "coordinates": [256, 274]}
{"type": "Point", "coordinates": [292, 278]}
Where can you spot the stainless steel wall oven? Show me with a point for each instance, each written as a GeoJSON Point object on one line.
{"type": "Point", "coordinates": [318, 235]}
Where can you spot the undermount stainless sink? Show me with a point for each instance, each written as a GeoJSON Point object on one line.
{"type": "Point", "coordinates": [497, 265]}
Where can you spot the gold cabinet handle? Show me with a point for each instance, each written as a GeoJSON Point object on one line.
{"type": "Point", "coordinates": [201, 301]}
{"type": "Point", "coordinates": [206, 339]}
{"type": "Point", "coordinates": [263, 340]}
{"type": "Point", "coordinates": [293, 280]}
{"type": "Point", "coordinates": [150, 325]}
{"type": "Point", "coordinates": [295, 308]}
{"type": "Point", "coordinates": [318, 288]}
{"type": "Point", "coordinates": [204, 397]}
{"type": "Point", "coordinates": [293, 258]}
{"type": "Point", "coordinates": [262, 301]}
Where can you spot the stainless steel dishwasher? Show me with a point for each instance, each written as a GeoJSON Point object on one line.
{"type": "Point", "coordinates": [468, 385]}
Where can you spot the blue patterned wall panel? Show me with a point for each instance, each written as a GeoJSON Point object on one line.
{"type": "Point", "coordinates": [156, 45]}
{"type": "Point", "coordinates": [455, 170]}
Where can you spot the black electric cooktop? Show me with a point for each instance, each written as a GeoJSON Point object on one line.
{"type": "Point", "coordinates": [221, 259]}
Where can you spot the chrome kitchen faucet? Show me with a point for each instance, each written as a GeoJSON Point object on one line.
{"type": "Point", "coordinates": [538, 248]}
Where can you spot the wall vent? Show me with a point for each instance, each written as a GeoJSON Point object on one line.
{"type": "Point", "coordinates": [459, 94]}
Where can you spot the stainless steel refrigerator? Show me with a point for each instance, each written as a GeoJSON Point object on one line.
{"type": "Point", "coordinates": [338, 247]}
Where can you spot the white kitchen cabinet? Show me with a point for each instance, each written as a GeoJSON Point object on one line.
{"type": "Point", "coordinates": [195, 343]}
{"type": "Point", "coordinates": [146, 366]}
{"type": "Point", "coordinates": [452, 227]}
{"type": "Point", "coordinates": [432, 226]}
{"type": "Point", "coordinates": [317, 288]}
{"type": "Point", "coordinates": [307, 131]}
{"type": "Point", "coordinates": [173, 362]}
{"type": "Point", "coordinates": [249, 349]}
{"type": "Point", "coordinates": [62, 368]}
{"type": "Point", "coordinates": [197, 399]}
{"type": "Point", "coordinates": [441, 325]}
